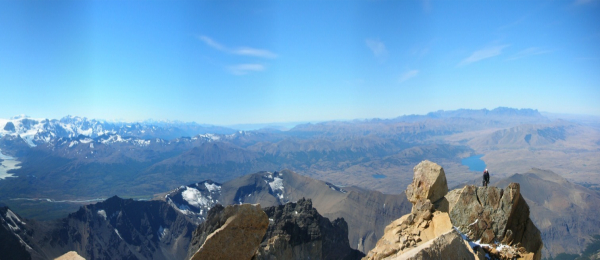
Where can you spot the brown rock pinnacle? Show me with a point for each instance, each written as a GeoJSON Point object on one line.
{"type": "Point", "coordinates": [429, 182]}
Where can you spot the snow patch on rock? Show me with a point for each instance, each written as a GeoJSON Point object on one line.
{"type": "Point", "coordinates": [162, 232]}
{"type": "Point", "coordinates": [102, 213]}
{"type": "Point", "coordinates": [194, 197]}
{"type": "Point", "coordinates": [212, 187]}
{"type": "Point", "coordinates": [11, 217]}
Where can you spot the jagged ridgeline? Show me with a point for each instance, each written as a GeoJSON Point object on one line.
{"type": "Point", "coordinates": [290, 231]}
{"type": "Point", "coordinates": [366, 212]}
{"type": "Point", "coordinates": [162, 229]}
{"type": "Point", "coordinates": [113, 229]}
{"type": "Point", "coordinates": [479, 221]}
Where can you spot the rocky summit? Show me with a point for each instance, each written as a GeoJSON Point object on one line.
{"type": "Point", "coordinates": [298, 231]}
{"type": "Point", "coordinates": [493, 215]}
{"type": "Point", "coordinates": [467, 223]}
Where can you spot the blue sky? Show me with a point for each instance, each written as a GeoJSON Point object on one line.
{"type": "Point", "coordinates": [230, 62]}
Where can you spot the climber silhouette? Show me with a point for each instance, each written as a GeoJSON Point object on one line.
{"type": "Point", "coordinates": [486, 178]}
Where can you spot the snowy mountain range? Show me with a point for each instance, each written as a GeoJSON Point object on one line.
{"type": "Point", "coordinates": [36, 131]}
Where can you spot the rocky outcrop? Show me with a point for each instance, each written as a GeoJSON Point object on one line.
{"type": "Point", "coordinates": [494, 215]}
{"type": "Point", "coordinates": [429, 182]}
{"type": "Point", "coordinates": [233, 232]}
{"type": "Point", "coordinates": [565, 213]}
{"type": "Point", "coordinates": [409, 232]}
{"type": "Point", "coordinates": [496, 222]}
{"type": "Point", "coordinates": [298, 231]}
{"type": "Point", "coordinates": [423, 223]}
{"type": "Point", "coordinates": [449, 245]}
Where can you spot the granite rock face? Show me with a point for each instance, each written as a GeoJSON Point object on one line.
{"type": "Point", "coordinates": [494, 215]}
{"type": "Point", "coordinates": [449, 245]}
{"type": "Point", "coordinates": [429, 182]}
{"type": "Point", "coordinates": [233, 232]}
{"type": "Point", "coordinates": [298, 231]}
{"type": "Point", "coordinates": [410, 232]}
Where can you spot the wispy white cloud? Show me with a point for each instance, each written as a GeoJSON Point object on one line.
{"type": "Point", "coordinates": [408, 75]}
{"type": "Point", "coordinates": [483, 54]}
{"type": "Point", "coordinates": [212, 43]}
{"type": "Point", "coordinates": [377, 47]}
{"type": "Point", "coordinates": [254, 52]}
{"type": "Point", "coordinates": [242, 69]}
{"type": "Point", "coordinates": [244, 51]}
{"type": "Point", "coordinates": [529, 52]}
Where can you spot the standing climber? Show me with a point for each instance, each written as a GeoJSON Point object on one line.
{"type": "Point", "coordinates": [486, 177]}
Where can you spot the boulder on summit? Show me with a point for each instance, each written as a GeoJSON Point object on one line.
{"type": "Point", "coordinates": [429, 182]}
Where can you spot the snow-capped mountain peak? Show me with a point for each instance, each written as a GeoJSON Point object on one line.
{"type": "Point", "coordinates": [36, 131]}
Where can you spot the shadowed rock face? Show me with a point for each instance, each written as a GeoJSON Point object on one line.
{"type": "Point", "coordinates": [298, 231]}
{"type": "Point", "coordinates": [11, 246]}
{"type": "Point", "coordinates": [113, 229]}
{"type": "Point", "coordinates": [566, 213]}
{"type": "Point", "coordinates": [495, 215]}
{"type": "Point", "coordinates": [233, 232]}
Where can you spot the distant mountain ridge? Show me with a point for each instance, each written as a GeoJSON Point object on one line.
{"type": "Point", "coordinates": [39, 131]}
{"type": "Point", "coordinates": [375, 154]}
{"type": "Point", "coordinates": [417, 127]}
{"type": "Point", "coordinates": [495, 113]}
{"type": "Point", "coordinates": [36, 131]}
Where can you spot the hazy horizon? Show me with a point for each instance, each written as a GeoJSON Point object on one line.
{"type": "Point", "coordinates": [291, 124]}
{"type": "Point", "coordinates": [263, 62]}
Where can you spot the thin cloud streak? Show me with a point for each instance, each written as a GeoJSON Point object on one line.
{"type": "Point", "coordinates": [243, 69]}
{"type": "Point", "coordinates": [244, 51]}
{"type": "Point", "coordinates": [377, 47]}
{"type": "Point", "coordinates": [529, 52]}
{"type": "Point", "coordinates": [483, 54]}
{"type": "Point", "coordinates": [212, 43]}
{"type": "Point", "coordinates": [408, 75]}
{"type": "Point", "coordinates": [255, 52]}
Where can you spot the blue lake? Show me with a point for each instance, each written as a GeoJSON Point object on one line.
{"type": "Point", "coordinates": [474, 163]}
{"type": "Point", "coordinates": [378, 176]}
